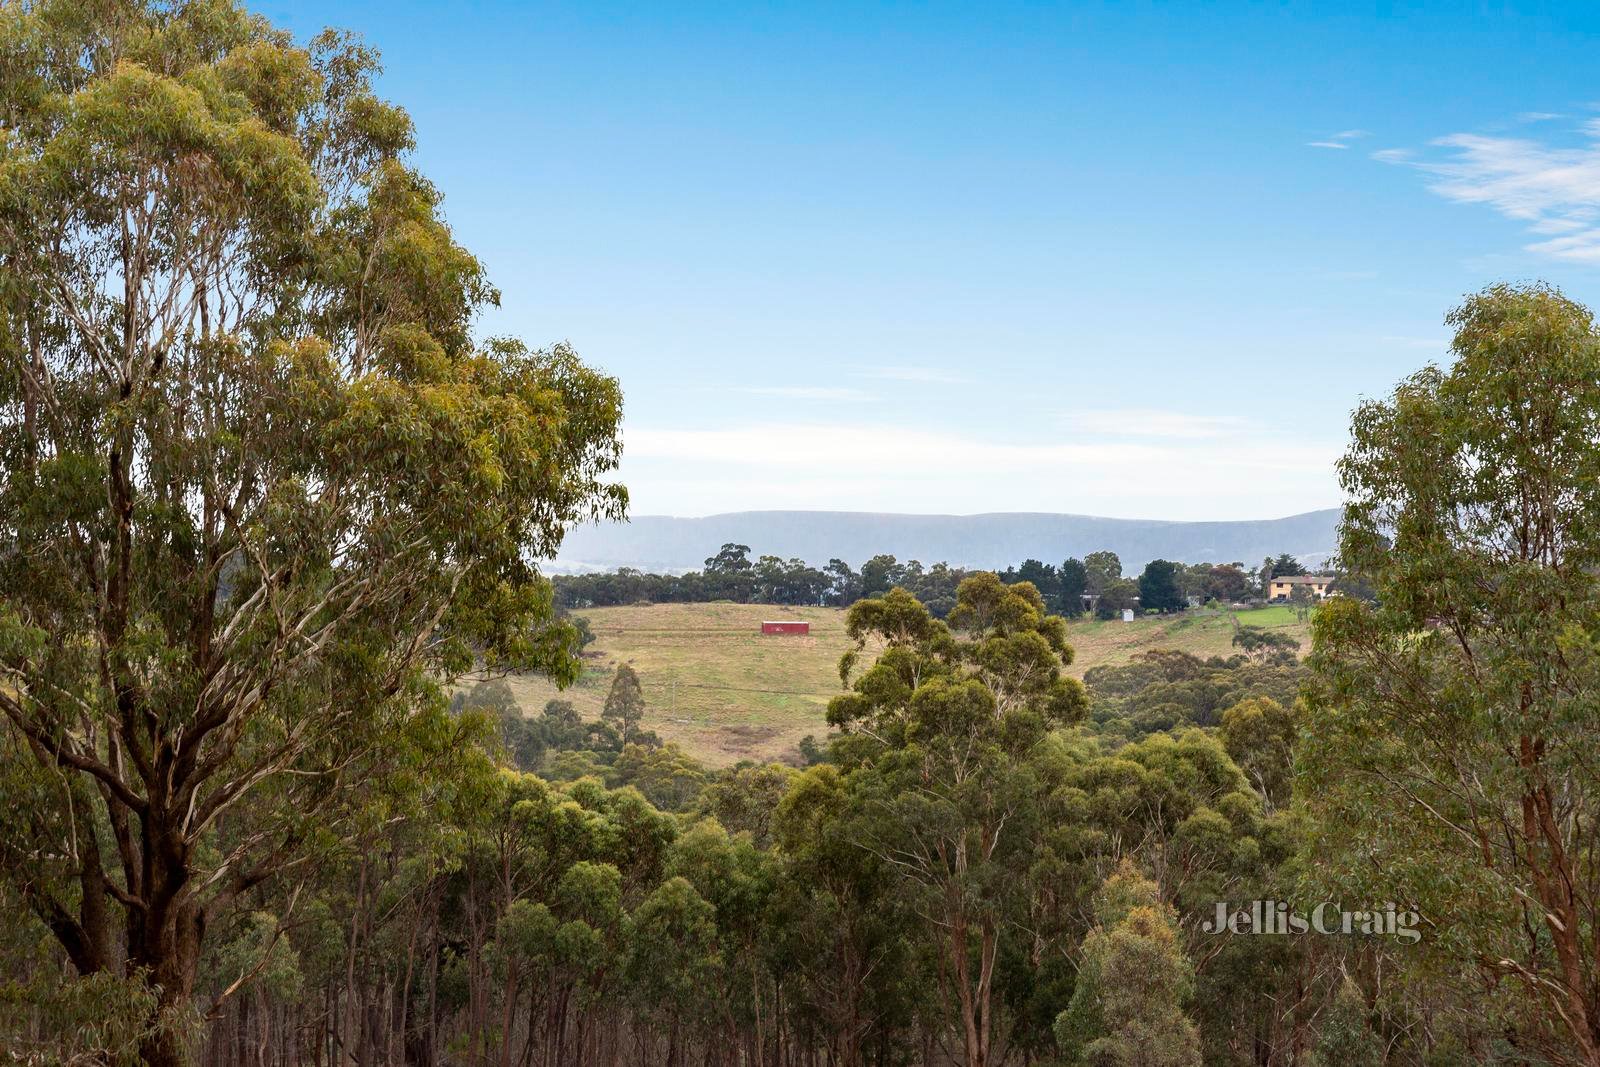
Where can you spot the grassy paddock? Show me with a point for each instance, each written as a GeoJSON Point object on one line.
{"type": "Point", "coordinates": [714, 684]}
{"type": "Point", "coordinates": [1202, 631]}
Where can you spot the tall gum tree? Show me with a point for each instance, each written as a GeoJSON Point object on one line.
{"type": "Point", "coordinates": [1454, 723]}
{"type": "Point", "coordinates": [260, 489]}
{"type": "Point", "coordinates": [937, 737]}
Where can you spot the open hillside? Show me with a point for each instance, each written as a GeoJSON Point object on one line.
{"type": "Point", "coordinates": [1202, 632]}
{"type": "Point", "coordinates": [714, 684]}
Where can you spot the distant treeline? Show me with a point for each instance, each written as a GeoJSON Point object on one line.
{"type": "Point", "coordinates": [1068, 588]}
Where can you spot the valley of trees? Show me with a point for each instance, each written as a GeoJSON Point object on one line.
{"type": "Point", "coordinates": [267, 500]}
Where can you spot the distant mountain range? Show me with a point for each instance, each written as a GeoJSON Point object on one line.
{"type": "Point", "coordinates": [665, 544]}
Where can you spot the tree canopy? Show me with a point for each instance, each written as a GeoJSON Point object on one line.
{"type": "Point", "coordinates": [1453, 727]}
{"type": "Point", "coordinates": [1159, 588]}
{"type": "Point", "coordinates": [261, 486]}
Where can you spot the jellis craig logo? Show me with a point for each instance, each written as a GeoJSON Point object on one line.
{"type": "Point", "coordinates": [1278, 918]}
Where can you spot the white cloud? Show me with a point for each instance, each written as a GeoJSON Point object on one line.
{"type": "Point", "coordinates": [1539, 116]}
{"type": "Point", "coordinates": [1152, 422]}
{"type": "Point", "coordinates": [930, 375]}
{"type": "Point", "coordinates": [1554, 190]}
{"type": "Point", "coordinates": [1337, 140]}
{"type": "Point", "coordinates": [804, 392]}
{"type": "Point", "coordinates": [877, 468]}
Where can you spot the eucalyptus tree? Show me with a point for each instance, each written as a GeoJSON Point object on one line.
{"type": "Point", "coordinates": [1102, 568]}
{"type": "Point", "coordinates": [1454, 724]}
{"type": "Point", "coordinates": [737, 879]}
{"type": "Point", "coordinates": [1127, 1009]}
{"type": "Point", "coordinates": [624, 706]}
{"type": "Point", "coordinates": [259, 486]}
{"type": "Point", "coordinates": [839, 926]}
{"type": "Point", "coordinates": [939, 731]}
{"type": "Point", "coordinates": [1260, 736]}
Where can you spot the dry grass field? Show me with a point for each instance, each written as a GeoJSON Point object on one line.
{"type": "Point", "coordinates": [714, 684]}
{"type": "Point", "coordinates": [1203, 632]}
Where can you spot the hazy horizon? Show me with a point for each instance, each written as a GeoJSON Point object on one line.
{"type": "Point", "coordinates": [986, 540]}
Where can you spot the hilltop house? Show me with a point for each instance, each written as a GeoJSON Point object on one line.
{"type": "Point", "coordinates": [1283, 588]}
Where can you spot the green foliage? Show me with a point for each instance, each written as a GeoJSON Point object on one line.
{"type": "Point", "coordinates": [1260, 735]}
{"type": "Point", "coordinates": [1285, 566]}
{"type": "Point", "coordinates": [97, 1018]}
{"type": "Point", "coordinates": [1224, 582]}
{"type": "Point", "coordinates": [673, 955]}
{"type": "Point", "coordinates": [1116, 596]}
{"type": "Point", "coordinates": [1345, 1037]}
{"type": "Point", "coordinates": [1074, 582]}
{"type": "Point", "coordinates": [260, 487]}
{"type": "Point", "coordinates": [1159, 589]}
{"type": "Point", "coordinates": [1102, 569]}
{"type": "Point", "coordinates": [840, 920]}
{"type": "Point", "coordinates": [730, 575]}
{"type": "Point", "coordinates": [1127, 1009]}
{"type": "Point", "coordinates": [730, 559]}
{"type": "Point", "coordinates": [745, 799]}
{"type": "Point", "coordinates": [1183, 792]}
{"type": "Point", "coordinates": [1449, 748]}
{"type": "Point", "coordinates": [1265, 645]}
{"type": "Point", "coordinates": [624, 705]}
{"type": "Point", "coordinates": [265, 497]}
{"type": "Point", "coordinates": [257, 953]}
{"type": "Point", "coordinates": [772, 580]}
{"type": "Point", "coordinates": [1164, 690]}
{"type": "Point", "coordinates": [940, 733]}
{"type": "Point", "coordinates": [667, 776]}
{"type": "Point", "coordinates": [811, 752]}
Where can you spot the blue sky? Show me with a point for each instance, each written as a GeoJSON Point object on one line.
{"type": "Point", "coordinates": [1127, 260]}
